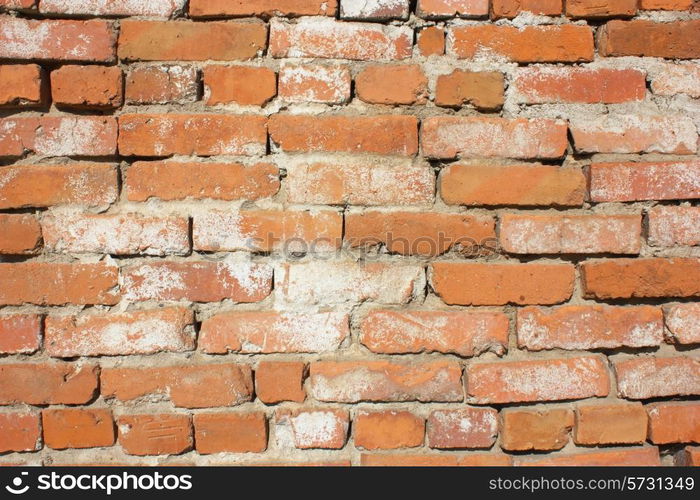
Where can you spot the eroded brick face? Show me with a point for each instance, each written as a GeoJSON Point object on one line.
{"type": "Point", "coordinates": [349, 232]}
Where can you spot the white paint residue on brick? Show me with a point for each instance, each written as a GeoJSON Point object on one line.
{"type": "Point", "coordinates": [315, 428]}
{"type": "Point", "coordinates": [251, 277]}
{"type": "Point", "coordinates": [162, 8]}
{"type": "Point", "coordinates": [72, 136]}
{"type": "Point", "coordinates": [372, 9]}
{"type": "Point", "coordinates": [157, 281]}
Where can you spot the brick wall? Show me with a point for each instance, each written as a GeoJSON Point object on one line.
{"type": "Point", "coordinates": [448, 232]}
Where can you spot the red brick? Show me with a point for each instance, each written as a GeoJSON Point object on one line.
{"type": "Point", "coordinates": [431, 9]}
{"type": "Point", "coordinates": [688, 456]}
{"type": "Point", "coordinates": [20, 333]}
{"type": "Point", "coordinates": [197, 281]}
{"type": "Point", "coordinates": [19, 234]}
{"type": "Point", "coordinates": [462, 428]}
{"type": "Point", "coordinates": [320, 37]}
{"type": "Point", "coordinates": [253, 332]}
{"type": "Point", "coordinates": [570, 234]}
{"type": "Point", "coordinates": [425, 234]}
{"type": "Point", "coordinates": [672, 79]}
{"type": "Point", "coordinates": [59, 40]}
{"type": "Point", "coordinates": [244, 85]}
{"type": "Point", "coordinates": [200, 180]}
{"type": "Point", "coordinates": [389, 429]}
{"type": "Point", "coordinates": [511, 8]}
{"type": "Point", "coordinates": [616, 133]}
{"type": "Point", "coordinates": [202, 134]}
{"type": "Point", "coordinates": [446, 137]}
{"type": "Point", "coordinates": [632, 457]}
{"type": "Point", "coordinates": [128, 234]}
{"type": "Point", "coordinates": [186, 386]}
{"type": "Point", "coordinates": [21, 86]}
{"type": "Point", "coordinates": [498, 284]}
{"type": "Point", "coordinates": [610, 424]}
{"type": "Point", "coordinates": [674, 422]}
{"type": "Point", "coordinates": [645, 181]}
{"type": "Point", "coordinates": [683, 322]}
{"type": "Point", "coordinates": [314, 83]}
{"type": "Point", "coordinates": [292, 8]}
{"type": "Point", "coordinates": [277, 381]}
{"type": "Point", "coordinates": [531, 44]}
{"type": "Point", "coordinates": [325, 428]}
{"type": "Point", "coordinates": [537, 380]}
{"type": "Point", "coordinates": [230, 432]}
{"type": "Point", "coordinates": [78, 428]}
{"type": "Point", "coordinates": [652, 277]}
{"type": "Point", "coordinates": [592, 9]}
{"type": "Point", "coordinates": [87, 86]}
{"type": "Point", "coordinates": [58, 136]}
{"type": "Point", "coordinates": [268, 230]}
{"type": "Point", "coordinates": [47, 383]}
{"type": "Point", "coordinates": [351, 382]}
{"type": "Point", "coordinates": [152, 8]}
{"type": "Point", "coordinates": [18, 4]}
{"type": "Point", "coordinates": [188, 41]}
{"type": "Point", "coordinates": [534, 85]}
{"type": "Point", "coordinates": [139, 332]}
{"type": "Point", "coordinates": [46, 185]}
{"type": "Point", "coordinates": [589, 327]}
{"type": "Point", "coordinates": [391, 84]}
{"type": "Point", "coordinates": [465, 333]}
{"type": "Point", "coordinates": [158, 434]}
{"type": "Point", "coordinates": [674, 226]}
{"type": "Point", "coordinates": [388, 135]}
{"type": "Point", "coordinates": [348, 281]}
{"type": "Point", "coordinates": [481, 89]}
{"type": "Point", "coordinates": [539, 430]}
{"type": "Point", "coordinates": [525, 185]}
{"type": "Point", "coordinates": [19, 432]}
{"type": "Point", "coordinates": [435, 460]}
{"type": "Point", "coordinates": [49, 283]}
{"type": "Point", "coordinates": [672, 40]}
{"type": "Point", "coordinates": [368, 182]}
{"type": "Point", "coordinates": [647, 377]}
{"type": "Point", "coordinates": [379, 10]}
{"type": "Point", "coordinates": [431, 41]}
{"type": "Point", "coordinates": [665, 4]}
{"type": "Point", "coordinates": [161, 84]}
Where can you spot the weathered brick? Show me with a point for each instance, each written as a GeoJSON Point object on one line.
{"type": "Point", "coordinates": [152, 8]}
{"type": "Point", "coordinates": [652, 277]}
{"type": "Point", "coordinates": [202, 134]}
{"type": "Point", "coordinates": [674, 422]}
{"type": "Point", "coordinates": [197, 281]}
{"type": "Point", "coordinates": [436, 460]}
{"type": "Point", "coordinates": [462, 428]}
{"type": "Point", "coordinates": [632, 457]}
{"type": "Point", "coordinates": [186, 386]}
{"type": "Point", "coordinates": [641, 37]}
{"type": "Point", "coordinates": [321, 37]}
{"type": "Point", "coordinates": [230, 432]}
{"type": "Point", "coordinates": [158, 434]}
{"type": "Point", "coordinates": [665, 4]}
{"type": "Point", "coordinates": [355, 381]}
{"type": "Point", "coordinates": [87, 86]}
{"type": "Point", "coordinates": [672, 79]}
{"type": "Point", "coordinates": [481, 89]}
{"type": "Point", "coordinates": [539, 430]}
{"type": "Point", "coordinates": [515, 185]}
{"type": "Point", "coordinates": [22, 86]}
{"type": "Point", "coordinates": [674, 226]}
{"type": "Point", "coordinates": [47, 383]}
{"type": "Point", "coordinates": [20, 333]}
{"type": "Point", "coordinates": [139, 332]}
{"type": "Point", "coordinates": [511, 8]}
{"type": "Point", "coordinates": [465, 333]}
{"type": "Point", "coordinates": [683, 321]}
{"type": "Point", "coordinates": [431, 41]}
{"type": "Point", "coordinates": [189, 41]}
{"type": "Point", "coordinates": [498, 284]}
{"type": "Point", "coordinates": [610, 424]}
{"type": "Point", "coordinates": [538, 380]}
{"type": "Point", "coordinates": [378, 10]}
{"type": "Point", "coordinates": [302, 83]}
{"type": "Point", "coordinates": [161, 84]}
{"type": "Point", "coordinates": [277, 381]}
{"type": "Point", "coordinates": [270, 331]}
{"type": "Point", "coordinates": [244, 85]}
{"type": "Point", "coordinates": [200, 180]}
{"type": "Point", "coordinates": [19, 431]}
{"type": "Point", "coordinates": [292, 8]}
{"type": "Point", "coordinates": [78, 428]}
{"type": "Point", "coordinates": [390, 429]}
{"type": "Point", "coordinates": [325, 428]}
{"type": "Point", "coordinates": [391, 84]}
{"type": "Point", "coordinates": [589, 327]}
{"type": "Point", "coordinates": [531, 44]}
{"type": "Point", "coordinates": [446, 137]}
{"type": "Point", "coordinates": [647, 377]}
{"type": "Point", "coordinates": [592, 9]}
{"type": "Point", "coordinates": [128, 234]}
{"type": "Point", "coordinates": [51, 283]}
{"type": "Point", "coordinates": [688, 456]}
{"type": "Point", "coordinates": [436, 9]}
{"type": "Point", "coordinates": [570, 234]}
{"type": "Point", "coordinates": [19, 234]}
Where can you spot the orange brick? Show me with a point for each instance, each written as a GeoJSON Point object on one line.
{"type": "Point", "coordinates": [187, 386]}
{"type": "Point", "coordinates": [292, 8]}
{"type": "Point", "coordinates": [380, 10]}
{"type": "Point", "coordinates": [161, 84]}
{"type": "Point", "coordinates": [463, 428]}
{"type": "Point", "coordinates": [665, 4]}
{"type": "Point", "coordinates": [21, 86]}
{"type": "Point", "coordinates": [19, 234]}
{"type": "Point", "coordinates": [481, 89]}
{"type": "Point", "coordinates": [230, 432]}
{"type": "Point", "coordinates": [465, 333]}
{"type": "Point", "coordinates": [311, 428]}
{"type": "Point", "coordinates": [431, 41]}
{"type": "Point", "coordinates": [277, 381]}
{"type": "Point", "coordinates": [674, 40]}
{"type": "Point", "coordinates": [20, 333]}
{"type": "Point", "coordinates": [303, 83]}
{"type": "Point", "coordinates": [511, 8]}
{"type": "Point", "coordinates": [431, 9]}
{"type": "Point", "coordinates": [539, 430]}
{"type": "Point", "coordinates": [239, 84]}
{"type": "Point", "coordinates": [610, 424]}
{"type": "Point", "coordinates": [47, 383]}
{"type": "Point", "coordinates": [435, 460]}
{"type": "Point", "coordinates": [647, 377]}
{"type": "Point", "coordinates": [538, 380]}
{"type": "Point", "coordinates": [391, 84]}
{"type": "Point", "coordinates": [19, 432]}
{"type": "Point", "coordinates": [498, 284]}
{"type": "Point", "coordinates": [78, 428]}
{"type": "Point", "coordinates": [390, 429]}
{"type": "Point", "coordinates": [674, 422]}
{"type": "Point", "coordinates": [160, 434]}
{"type": "Point", "coordinates": [87, 86]}
{"type": "Point", "coordinates": [592, 9]}
{"type": "Point", "coordinates": [674, 226]}
{"type": "Point", "coordinates": [632, 457]}
{"type": "Point", "coordinates": [683, 322]}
